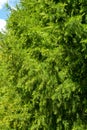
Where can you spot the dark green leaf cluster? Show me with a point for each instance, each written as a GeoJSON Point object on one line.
{"type": "Point", "coordinates": [43, 70]}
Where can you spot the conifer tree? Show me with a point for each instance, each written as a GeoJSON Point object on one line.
{"type": "Point", "coordinates": [43, 68]}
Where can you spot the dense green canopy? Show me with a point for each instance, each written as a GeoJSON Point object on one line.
{"type": "Point", "coordinates": [43, 66]}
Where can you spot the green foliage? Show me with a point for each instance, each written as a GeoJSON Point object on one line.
{"type": "Point", "coordinates": [43, 68]}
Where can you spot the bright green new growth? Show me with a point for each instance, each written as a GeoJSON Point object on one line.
{"type": "Point", "coordinates": [43, 66]}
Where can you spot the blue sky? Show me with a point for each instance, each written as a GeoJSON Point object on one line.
{"type": "Point", "coordinates": [4, 13]}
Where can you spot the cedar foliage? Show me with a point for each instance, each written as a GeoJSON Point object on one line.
{"type": "Point", "coordinates": [43, 70]}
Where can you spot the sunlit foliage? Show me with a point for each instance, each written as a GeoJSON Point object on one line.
{"type": "Point", "coordinates": [43, 69]}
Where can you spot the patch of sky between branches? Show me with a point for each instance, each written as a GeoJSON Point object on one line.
{"type": "Point", "coordinates": [4, 13]}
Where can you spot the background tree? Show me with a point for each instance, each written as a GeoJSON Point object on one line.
{"type": "Point", "coordinates": [43, 67]}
